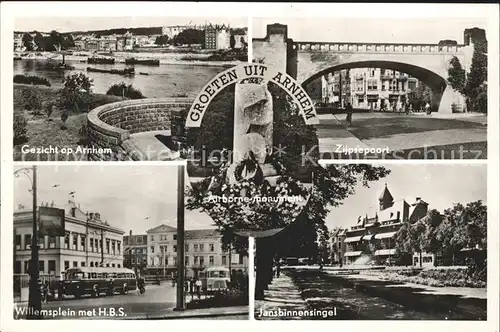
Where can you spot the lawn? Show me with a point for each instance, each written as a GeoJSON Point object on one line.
{"type": "Point", "coordinates": [380, 126]}
{"type": "Point", "coordinates": [47, 132]}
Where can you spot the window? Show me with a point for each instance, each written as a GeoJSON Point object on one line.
{"type": "Point", "coordinates": [52, 242]}
{"type": "Point", "coordinates": [152, 261]}
{"type": "Point", "coordinates": [27, 241]}
{"type": "Point", "coordinates": [100, 245]}
{"type": "Point", "coordinates": [175, 236]}
{"type": "Point", "coordinates": [41, 242]}
{"type": "Point", "coordinates": [152, 237]}
{"type": "Point", "coordinates": [211, 260]}
{"type": "Point", "coordinates": [113, 247]}
{"type": "Point", "coordinates": [133, 260]}
{"type": "Point", "coordinates": [166, 261]}
{"type": "Point", "coordinates": [41, 266]}
{"type": "Point", "coordinates": [107, 246]}
{"type": "Point", "coordinates": [26, 266]}
{"type": "Point", "coordinates": [186, 247]}
{"type": "Point", "coordinates": [17, 267]}
{"type": "Point", "coordinates": [138, 240]}
{"type": "Point", "coordinates": [372, 85]}
{"type": "Point", "coordinates": [240, 261]}
{"type": "Point", "coordinates": [195, 247]}
{"type": "Point", "coordinates": [224, 260]}
{"type": "Point", "coordinates": [91, 264]}
{"type": "Point", "coordinates": [52, 267]}
{"type": "Point", "coordinates": [119, 265]}
{"type": "Point", "coordinates": [82, 264]}
{"type": "Point", "coordinates": [427, 259]}
{"type": "Point", "coordinates": [202, 247]}
{"type": "Point", "coordinates": [82, 242]}
{"type": "Point", "coordinates": [175, 260]}
{"type": "Point", "coordinates": [75, 242]}
{"type": "Point", "coordinates": [66, 265]}
{"type": "Point", "coordinates": [75, 264]}
{"type": "Point", "coordinates": [91, 245]}
{"type": "Point", "coordinates": [162, 249]}
{"type": "Point", "coordinates": [175, 248]}
{"type": "Point", "coordinates": [202, 260]}
{"type": "Point", "coordinates": [18, 241]}
{"type": "Point", "coordinates": [186, 260]}
{"type": "Point", "coordinates": [152, 249]}
{"type": "Point", "coordinates": [211, 246]}
{"type": "Point", "coordinates": [118, 245]}
{"type": "Point", "coordinates": [196, 260]}
{"type": "Point", "coordinates": [112, 265]}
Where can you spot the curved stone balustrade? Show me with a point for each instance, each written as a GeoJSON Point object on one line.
{"type": "Point", "coordinates": [112, 126]}
{"type": "Point", "coordinates": [379, 48]}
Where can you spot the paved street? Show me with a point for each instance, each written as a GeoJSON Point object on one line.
{"type": "Point", "coordinates": [156, 299]}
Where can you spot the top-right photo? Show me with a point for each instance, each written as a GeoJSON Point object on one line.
{"type": "Point", "coordinates": [386, 88]}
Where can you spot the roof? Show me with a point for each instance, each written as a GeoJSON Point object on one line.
{"type": "Point", "coordinates": [386, 195]}
{"type": "Point", "coordinates": [201, 233]}
{"type": "Point", "coordinates": [162, 228]}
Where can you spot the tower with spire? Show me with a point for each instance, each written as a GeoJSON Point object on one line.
{"type": "Point", "coordinates": [385, 200]}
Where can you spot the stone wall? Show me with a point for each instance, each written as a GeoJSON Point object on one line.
{"type": "Point", "coordinates": [110, 125]}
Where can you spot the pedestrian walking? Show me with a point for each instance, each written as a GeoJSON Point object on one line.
{"type": "Point", "coordinates": [428, 108]}
{"type": "Point", "coordinates": [191, 287]}
{"type": "Point", "coordinates": [349, 112]}
{"type": "Point", "coordinates": [45, 292]}
{"type": "Point", "coordinates": [198, 288]}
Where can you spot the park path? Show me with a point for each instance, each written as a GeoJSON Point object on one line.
{"type": "Point", "coordinates": [282, 294]}
{"type": "Point", "coordinates": [339, 135]}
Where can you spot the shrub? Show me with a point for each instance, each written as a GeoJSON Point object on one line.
{"type": "Point", "coordinates": [76, 92]}
{"type": "Point", "coordinates": [20, 130]}
{"type": "Point", "coordinates": [32, 101]}
{"type": "Point", "coordinates": [49, 109]}
{"type": "Point", "coordinates": [64, 118]}
{"type": "Point", "coordinates": [124, 90]}
{"type": "Point", "coordinates": [34, 80]}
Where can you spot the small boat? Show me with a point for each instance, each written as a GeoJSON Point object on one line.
{"type": "Point", "coordinates": [126, 71]}
{"type": "Point", "coordinates": [180, 95]}
{"type": "Point", "coordinates": [101, 61]}
{"type": "Point", "coordinates": [141, 73]}
{"type": "Point", "coordinates": [149, 62]}
{"type": "Point", "coordinates": [83, 61]}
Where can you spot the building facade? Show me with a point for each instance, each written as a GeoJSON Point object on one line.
{"type": "Point", "coordinates": [89, 241]}
{"type": "Point", "coordinates": [367, 88]}
{"type": "Point", "coordinates": [217, 37]}
{"type": "Point", "coordinates": [337, 246]}
{"type": "Point", "coordinates": [372, 239]}
{"type": "Point", "coordinates": [202, 249]}
{"type": "Point", "coordinates": [135, 253]}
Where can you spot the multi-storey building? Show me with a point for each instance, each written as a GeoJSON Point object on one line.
{"type": "Point", "coordinates": [217, 37]}
{"type": "Point", "coordinates": [202, 249]}
{"type": "Point", "coordinates": [18, 42]}
{"type": "Point", "coordinates": [107, 43]}
{"type": "Point", "coordinates": [135, 253]}
{"type": "Point", "coordinates": [337, 245]}
{"type": "Point", "coordinates": [88, 241]}
{"type": "Point", "coordinates": [372, 239]}
{"type": "Point", "coordinates": [369, 88]}
{"type": "Point", "coordinates": [174, 30]}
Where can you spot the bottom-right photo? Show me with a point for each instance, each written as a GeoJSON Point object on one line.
{"type": "Point", "coordinates": [380, 241]}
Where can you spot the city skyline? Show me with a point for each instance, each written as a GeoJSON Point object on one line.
{"type": "Point", "coordinates": [128, 197]}
{"type": "Point", "coordinates": [76, 24]}
{"type": "Point", "coordinates": [366, 30]}
{"type": "Point", "coordinates": [441, 186]}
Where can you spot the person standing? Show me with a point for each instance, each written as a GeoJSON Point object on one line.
{"type": "Point", "coordinates": [428, 108]}
{"type": "Point", "coordinates": [349, 111]}
{"type": "Point", "coordinates": [198, 288]}
{"type": "Point", "coordinates": [191, 287]}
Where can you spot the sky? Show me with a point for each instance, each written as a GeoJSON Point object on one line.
{"type": "Point", "coordinates": [124, 195]}
{"type": "Point", "coordinates": [439, 185]}
{"type": "Point", "coordinates": [370, 29]}
{"type": "Point", "coordinates": [67, 24]}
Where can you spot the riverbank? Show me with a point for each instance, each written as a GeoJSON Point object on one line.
{"type": "Point", "coordinates": [192, 59]}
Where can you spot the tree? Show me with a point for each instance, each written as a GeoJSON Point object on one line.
{"type": "Point", "coordinates": [76, 91]}
{"type": "Point", "coordinates": [456, 75]}
{"type": "Point", "coordinates": [189, 37]}
{"type": "Point", "coordinates": [40, 41]}
{"type": "Point", "coordinates": [28, 41]}
{"type": "Point", "coordinates": [124, 90]}
{"type": "Point", "coordinates": [232, 42]}
{"type": "Point", "coordinates": [478, 75]}
{"type": "Point", "coordinates": [162, 40]}
{"type": "Point", "coordinates": [420, 95]}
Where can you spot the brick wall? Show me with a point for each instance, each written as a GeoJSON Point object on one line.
{"type": "Point", "coordinates": [110, 125]}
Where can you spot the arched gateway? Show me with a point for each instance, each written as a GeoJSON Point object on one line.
{"type": "Point", "coordinates": [306, 61]}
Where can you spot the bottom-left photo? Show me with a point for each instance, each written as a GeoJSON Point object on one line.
{"type": "Point", "coordinates": [119, 242]}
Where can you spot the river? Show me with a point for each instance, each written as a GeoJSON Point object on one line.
{"type": "Point", "coordinates": [165, 80]}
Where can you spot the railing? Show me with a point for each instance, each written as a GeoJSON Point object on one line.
{"type": "Point", "coordinates": [377, 47]}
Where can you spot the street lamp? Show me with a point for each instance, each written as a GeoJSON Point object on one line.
{"type": "Point", "coordinates": [35, 300]}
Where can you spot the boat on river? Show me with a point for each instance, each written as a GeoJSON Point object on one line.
{"type": "Point", "coordinates": [125, 72]}
{"type": "Point", "coordinates": [148, 62]}
{"type": "Point", "coordinates": [101, 60]}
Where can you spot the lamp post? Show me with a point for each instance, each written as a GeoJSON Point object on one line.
{"type": "Point", "coordinates": [34, 300]}
{"type": "Point", "coordinates": [180, 239]}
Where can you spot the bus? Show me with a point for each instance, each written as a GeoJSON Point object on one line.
{"type": "Point", "coordinates": [214, 279]}
{"type": "Point", "coordinates": [97, 280]}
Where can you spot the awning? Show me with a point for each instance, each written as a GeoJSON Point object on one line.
{"type": "Point", "coordinates": [385, 252]}
{"type": "Point", "coordinates": [352, 239]}
{"type": "Point", "coordinates": [352, 253]}
{"type": "Point", "coordinates": [367, 237]}
{"type": "Point", "coordinates": [385, 235]}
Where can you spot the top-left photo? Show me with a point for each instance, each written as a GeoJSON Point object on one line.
{"type": "Point", "coordinates": [114, 88]}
